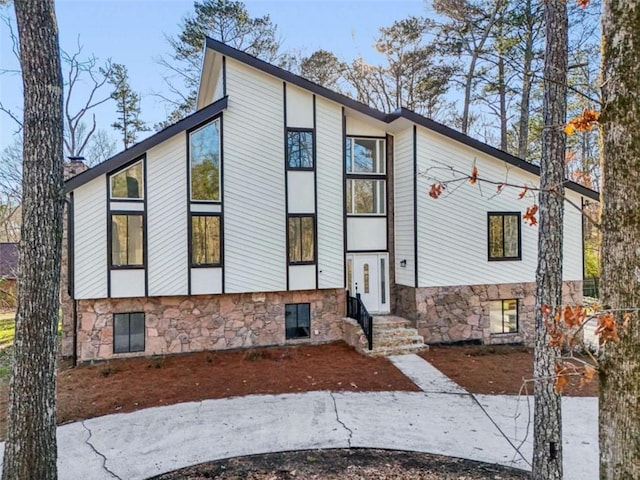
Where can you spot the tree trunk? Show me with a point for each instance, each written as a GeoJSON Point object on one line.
{"type": "Point", "coordinates": [620, 121]}
{"type": "Point", "coordinates": [547, 440]}
{"type": "Point", "coordinates": [502, 93]}
{"type": "Point", "coordinates": [525, 101]}
{"type": "Point", "coordinates": [30, 449]}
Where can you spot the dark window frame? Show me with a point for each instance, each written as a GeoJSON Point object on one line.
{"type": "Point", "coordinates": [315, 239]}
{"type": "Point", "coordinates": [518, 223]}
{"type": "Point", "coordinates": [297, 331]}
{"type": "Point", "coordinates": [502, 301]}
{"type": "Point", "coordinates": [144, 332]}
{"type": "Point", "coordinates": [191, 131]}
{"type": "Point", "coordinates": [191, 249]}
{"type": "Point", "coordinates": [127, 213]}
{"type": "Point", "coordinates": [313, 149]}
{"type": "Point", "coordinates": [364, 176]}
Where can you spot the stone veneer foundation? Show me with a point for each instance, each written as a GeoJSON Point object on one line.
{"type": "Point", "coordinates": [461, 313]}
{"type": "Point", "coordinates": [207, 322]}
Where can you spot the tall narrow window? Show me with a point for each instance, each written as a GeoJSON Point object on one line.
{"type": "Point", "coordinates": [366, 176]}
{"type": "Point", "coordinates": [504, 236]}
{"type": "Point", "coordinates": [297, 318]}
{"type": "Point", "coordinates": [366, 277]}
{"type": "Point", "coordinates": [127, 247]}
{"type": "Point", "coordinates": [128, 183]}
{"type": "Point", "coordinates": [383, 282]}
{"type": "Point", "coordinates": [204, 160]}
{"type": "Point", "coordinates": [300, 149]}
{"type": "Point", "coordinates": [205, 240]}
{"type": "Point", "coordinates": [301, 239]}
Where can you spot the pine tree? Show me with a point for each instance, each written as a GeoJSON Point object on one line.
{"type": "Point", "coordinates": [128, 106]}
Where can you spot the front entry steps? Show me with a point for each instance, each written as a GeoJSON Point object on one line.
{"type": "Point", "coordinates": [391, 336]}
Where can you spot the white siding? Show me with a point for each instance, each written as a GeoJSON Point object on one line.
{"type": "Point", "coordinates": [206, 207]}
{"type": "Point", "coordinates": [403, 205]}
{"type": "Point", "coordinates": [302, 277]}
{"type": "Point", "coordinates": [167, 218]}
{"type": "Point", "coordinates": [132, 206]}
{"type": "Point", "coordinates": [452, 230]}
{"type": "Point", "coordinates": [127, 283]}
{"type": "Point", "coordinates": [329, 167]}
{"type": "Point", "coordinates": [90, 238]}
{"type": "Point", "coordinates": [356, 126]}
{"type": "Point", "coordinates": [206, 281]}
{"type": "Point", "coordinates": [572, 267]}
{"type": "Point", "coordinates": [366, 233]}
{"type": "Point", "coordinates": [299, 107]}
{"type": "Point", "coordinates": [253, 175]}
{"type": "Point", "coordinates": [301, 189]}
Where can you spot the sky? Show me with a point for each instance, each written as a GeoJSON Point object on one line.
{"type": "Point", "coordinates": [133, 32]}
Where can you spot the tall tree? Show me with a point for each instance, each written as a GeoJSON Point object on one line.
{"type": "Point", "coordinates": [323, 68]}
{"type": "Point", "coordinates": [547, 424]}
{"type": "Point", "coordinates": [620, 123]}
{"type": "Point", "coordinates": [127, 101]}
{"type": "Point", "coordinates": [225, 20]}
{"type": "Point", "coordinates": [30, 449]}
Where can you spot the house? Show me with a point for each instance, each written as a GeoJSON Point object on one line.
{"type": "Point", "coordinates": [8, 274]}
{"type": "Point", "coordinates": [245, 223]}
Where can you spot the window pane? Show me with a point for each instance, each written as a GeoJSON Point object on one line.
{"type": "Point", "coordinates": [510, 312]}
{"type": "Point", "coordinates": [295, 247]}
{"type": "Point", "coordinates": [366, 278]}
{"type": "Point", "coordinates": [121, 332]}
{"type": "Point", "coordinates": [383, 286]}
{"type": "Point", "coordinates": [495, 237]}
{"type": "Point", "coordinates": [119, 226]}
{"type": "Point", "coordinates": [300, 149]}
{"type": "Point", "coordinates": [495, 316]}
{"type": "Point", "coordinates": [204, 153]}
{"type": "Point", "coordinates": [366, 196]}
{"type": "Point", "coordinates": [511, 235]}
{"type": "Point", "coordinates": [205, 240]}
{"type": "Point", "coordinates": [304, 319]}
{"type": "Point", "coordinates": [128, 183]}
{"type": "Point", "coordinates": [297, 320]}
{"type": "Point", "coordinates": [134, 240]}
{"type": "Point", "coordinates": [136, 332]}
{"type": "Point", "coordinates": [364, 156]}
{"type": "Point", "coordinates": [307, 239]}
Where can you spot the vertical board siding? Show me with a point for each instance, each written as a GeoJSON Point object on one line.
{"type": "Point", "coordinates": [299, 107]}
{"type": "Point", "coordinates": [254, 193]}
{"type": "Point", "coordinates": [329, 167]}
{"type": "Point", "coordinates": [167, 217]}
{"type": "Point", "coordinates": [403, 202]}
{"type": "Point", "coordinates": [452, 230]}
{"type": "Point", "coordinates": [90, 239]}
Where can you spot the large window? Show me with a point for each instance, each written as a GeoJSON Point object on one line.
{"type": "Point", "coordinates": [297, 319]}
{"type": "Point", "coordinates": [299, 149]}
{"type": "Point", "coordinates": [205, 240]}
{"type": "Point", "coordinates": [128, 183]}
{"type": "Point", "coordinates": [128, 332]}
{"type": "Point", "coordinates": [503, 316]}
{"type": "Point", "coordinates": [366, 179]}
{"type": "Point", "coordinates": [127, 246]}
{"type": "Point", "coordinates": [301, 239]}
{"type": "Point", "coordinates": [504, 236]}
{"type": "Point", "coordinates": [204, 160]}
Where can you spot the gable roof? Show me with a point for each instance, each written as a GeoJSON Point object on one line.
{"type": "Point", "coordinates": [8, 260]}
{"type": "Point", "coordinates": [416, 118]}
{"type": "Point", "coordinates": [140, 148]}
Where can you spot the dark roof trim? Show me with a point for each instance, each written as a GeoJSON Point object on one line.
{"type": "Point", "coordinates": [378, 115]}
{"type": "Point", "coordinates": [483, 147]}
{"type": "Point", "coordinates": [140, 148]}
{"type": "Point", "coordinates": [294, 79]}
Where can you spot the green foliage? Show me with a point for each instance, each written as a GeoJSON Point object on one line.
{"type": "Point", "coordinates": [591, 259]}
{"type": "Point", "coordinates": [128, 106]}
{"type": "Point", "coordinates": [323, 68]}
{"type": "Point", "coordinates": [7, 329]}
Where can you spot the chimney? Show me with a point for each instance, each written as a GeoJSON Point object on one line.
{"type": "Point", "coordinates": [74, 166]}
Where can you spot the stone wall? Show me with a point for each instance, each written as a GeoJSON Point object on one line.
{"type": "Point", "coordinates": [208, 322]}
{"type": "Point", "coordinates": [461, 313]}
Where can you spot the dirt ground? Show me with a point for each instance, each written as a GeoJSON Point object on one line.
{"type": "Point", "coordinates": [500, 369]}
{"type": "Point", "coordinates": [355, 464]}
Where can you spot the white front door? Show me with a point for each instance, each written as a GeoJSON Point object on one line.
{"type": "Point", "coordinates": [368, 275]}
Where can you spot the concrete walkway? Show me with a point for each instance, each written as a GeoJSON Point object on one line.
{"type": "Point", "coordinates": [443, 419]}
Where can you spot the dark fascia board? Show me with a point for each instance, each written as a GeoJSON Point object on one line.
{"type": "Point", "coordinates": [416, 118]}
{"type": "Point", "coordinates": [294, 79]}
{"type": "Point", "coordinates": [140, 148]}
{"type": "Point", "coordinates": [483, 147]}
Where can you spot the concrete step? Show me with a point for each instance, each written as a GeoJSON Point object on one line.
{"type": "Point", "coordinates": [397, 342]}
{"type": "Point", "coordinates": [395, 350]}
{"type": "Point", "coordinates": [394, 333]}
{"type": "Point", "coordinates": [386, 322]}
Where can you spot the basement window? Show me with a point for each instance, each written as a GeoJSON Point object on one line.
{"type": "Point", "coordinates": [297, 319]}
{"type": "Point", "coordinates": [128, 332]}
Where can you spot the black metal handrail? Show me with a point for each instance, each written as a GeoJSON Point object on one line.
{"type": "Point", "coordinates": [357, 311]}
